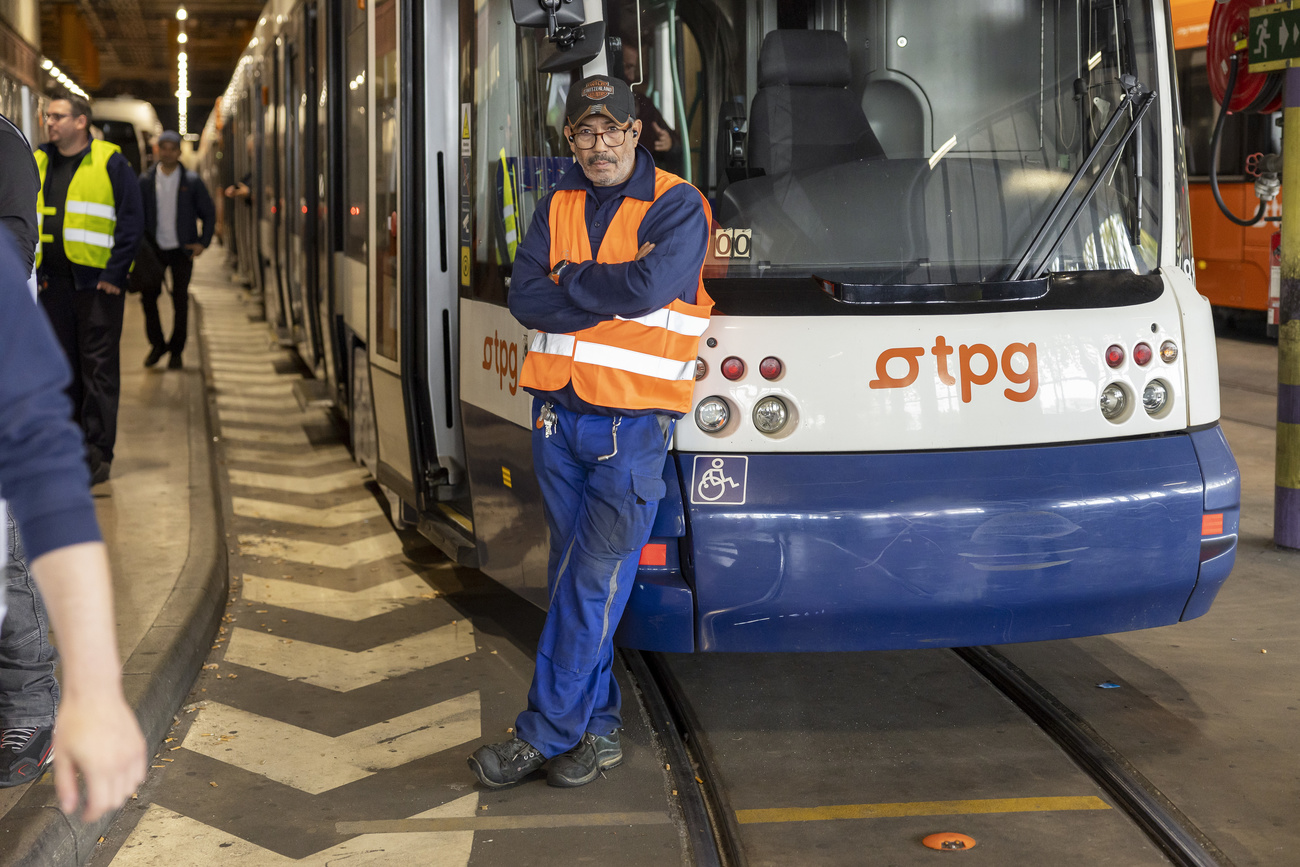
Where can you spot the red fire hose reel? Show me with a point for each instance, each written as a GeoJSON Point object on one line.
{"type": "Point", "coordinates": [1256, 92]}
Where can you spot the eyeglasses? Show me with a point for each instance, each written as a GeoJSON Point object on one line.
{"type": "Point", "coordinates": [611, 137]}
{"type": "Point", "coordinates": [54, 116]}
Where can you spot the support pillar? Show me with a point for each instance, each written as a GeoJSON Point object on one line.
{"type": "Point", "coordinates": [1286, 500]}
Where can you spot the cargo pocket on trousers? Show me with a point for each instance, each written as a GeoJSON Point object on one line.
{"type": "Point", "coordinates": [638, 513]}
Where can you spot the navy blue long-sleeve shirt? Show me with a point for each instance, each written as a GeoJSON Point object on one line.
{"type": "Point", "coordinates": [43, 473]}
{"type": "Point", "coordinates": [193, 205]}
{"type": "Point", "coordinates": [127, 232]}
{"type": "Point", "coordinates": [592, 292]}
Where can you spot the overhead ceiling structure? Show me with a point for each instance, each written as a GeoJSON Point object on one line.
{"type": "Point", "coordinates": [130, 47]}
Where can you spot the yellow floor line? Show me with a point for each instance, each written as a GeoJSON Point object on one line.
{"type": "Point", "coordinates": [917, 808]}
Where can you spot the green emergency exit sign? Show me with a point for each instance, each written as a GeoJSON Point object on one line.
{"type": "Point", "coordinates": [1274, 37]}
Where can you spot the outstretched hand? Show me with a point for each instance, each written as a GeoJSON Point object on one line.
{"type": "Point", "coordinates": [98, 738]}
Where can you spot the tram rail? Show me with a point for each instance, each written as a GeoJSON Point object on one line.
{"type": "Point", "coordinates": [712, 828]}
{"type": "Point", "coordinates": [1161, 820]}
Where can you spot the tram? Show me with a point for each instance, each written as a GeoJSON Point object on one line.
{"type": "Point", "coordinates": [959, 387]}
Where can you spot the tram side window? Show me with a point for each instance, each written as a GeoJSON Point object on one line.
{"type": "Point", "coordinates": [387, 133]}
{"type": "Point", "coordinates": [518, 155]}
{"type": "Point", "coordinates": [355, 154]}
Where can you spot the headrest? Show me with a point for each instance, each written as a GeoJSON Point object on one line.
{"type": "Point", "coordinates": [803, 58]}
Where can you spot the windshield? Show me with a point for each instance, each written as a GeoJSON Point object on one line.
{"type": "Point", "coordinates": [926, 141]}
{"type": "Point", "coordinates": [122, 134]}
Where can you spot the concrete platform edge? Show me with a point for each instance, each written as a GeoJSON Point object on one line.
{"type": "Point", "coordinates": [159, 673]}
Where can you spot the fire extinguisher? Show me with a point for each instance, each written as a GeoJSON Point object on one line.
{"type": "Point", "coordinates": [1240, 91]}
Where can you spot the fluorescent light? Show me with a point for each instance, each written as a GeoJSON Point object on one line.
{"type": "Point", "coordinates": [181, 14]}
{"type": "Point", "coordinates": [182, 38]}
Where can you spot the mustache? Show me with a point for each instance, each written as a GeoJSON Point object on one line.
{"type": "Point", "coordinates": [601, 157]}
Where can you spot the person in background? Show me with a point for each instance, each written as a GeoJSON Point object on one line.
{"type": "Point", "coordinates": [663, 141]}
{"type": "Point", "coordinates": [92, 223]}
{"type": "Point", "coordinates": [175, 199]}
{"type": "Point", "coordinates": [43, 477]}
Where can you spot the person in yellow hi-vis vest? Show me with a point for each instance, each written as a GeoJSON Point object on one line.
{"type": "Point", "coordinates": [610, 275]}
{"type": "Point", "coordinates": [91, 221]}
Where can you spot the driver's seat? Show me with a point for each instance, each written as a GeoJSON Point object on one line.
{"type": "Point", "coordinates": [804, 115]}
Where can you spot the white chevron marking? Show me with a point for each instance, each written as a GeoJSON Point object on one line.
{"type": "Point", "coordinates": [346, 670]}
{"type": "Point", "coordinates": [342, 604]}
{"type": "Point", "coordinates": [315, 763]}
{"type": "Point", "coordinates": [216, 355]}
{"type": "Point", "coordinates": [321, 553]}
{"type": "Point", "coordinates": [282, 389]}
{"type": "Point", "coordinates": [323, 455]}
{"type": "Point", "coordinates": [166, 839]}
{"type": "Point", "coordinates": [334, 516]}
{"type": "Point", "coordinates": [286, 437]}
{"type": "Point", "coordinates": [275, 404]}
{"type": "Point", "coordinates": [300, 484]}
{"type": "Point", "coordinates": [261, 378]}
{"type": "Point", "coordinates": [285, 417]}
{"type": "Point", "coordinates": [243, 366]}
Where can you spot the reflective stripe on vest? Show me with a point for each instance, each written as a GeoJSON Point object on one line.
{"type": "Point", "coordinates": [90, 212]}
{"type": "Point", "coordinates": [647, 362]}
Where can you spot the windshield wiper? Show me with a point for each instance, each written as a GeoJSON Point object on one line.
{"type": "Point", "coordinates": [1137, 96]}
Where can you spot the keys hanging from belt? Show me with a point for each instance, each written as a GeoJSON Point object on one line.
{"type": "Point", "coordinates": [546, 420]}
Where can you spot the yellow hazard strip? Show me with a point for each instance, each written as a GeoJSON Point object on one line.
{"type": "Point", "coordinates": [918, 808]}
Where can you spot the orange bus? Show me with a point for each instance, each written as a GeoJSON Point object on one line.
{"type": "Point", "coordinates": [1232, 262]}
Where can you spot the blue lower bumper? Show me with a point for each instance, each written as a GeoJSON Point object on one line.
{"type": "Point", "coordinates": [891, 551]}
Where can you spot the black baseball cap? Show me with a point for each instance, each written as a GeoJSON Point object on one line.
{"type": "Point", "coordinates": [600, 94]}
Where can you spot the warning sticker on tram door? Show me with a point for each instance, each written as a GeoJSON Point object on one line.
{"type": "Point", "coordinates": [719, 480]}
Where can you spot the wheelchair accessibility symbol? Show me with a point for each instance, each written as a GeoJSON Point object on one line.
{"type": "Point", "coordinates": [719, 480]}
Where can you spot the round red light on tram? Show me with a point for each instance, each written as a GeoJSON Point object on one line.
{"type": "Point", "coordinates": [733, 368]}
{"type": "Point", "coordinates": [1142, 354]}
{"type": "Point", "coordinates": [1115, 355]}
{"type": "Point", "coordinates": [770, 367]}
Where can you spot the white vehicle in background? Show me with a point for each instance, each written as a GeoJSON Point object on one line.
{"type": "Point", "coordinates": [132, 125]}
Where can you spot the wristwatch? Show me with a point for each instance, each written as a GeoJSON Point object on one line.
{"type": "Point", "coordinates": [558, 269]}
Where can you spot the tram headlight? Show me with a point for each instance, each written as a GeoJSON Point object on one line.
{"type": "Point", "coordinates": [1155, 396]}
{"type": "Point", "coordinates": [1168, 352]}
{"type": "Point", "coordinates": [712, 414]}
{"type": "Point", "coordinates": [701, 369]}
{"type": "Point", "coordinates": [771, 414]}
{"type": "Point", "coordinates": [1114, 401]}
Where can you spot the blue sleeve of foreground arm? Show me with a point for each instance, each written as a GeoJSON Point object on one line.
{"type": "Point", "coordinates": [43, 473]}
{"type": "Point", "coordinates": [676, 224]}
{"type": "Point", "coordinates": [534, 298]}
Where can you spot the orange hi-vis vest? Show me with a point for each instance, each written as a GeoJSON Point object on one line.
{"type": "Point", "coordinates": [642, 363]}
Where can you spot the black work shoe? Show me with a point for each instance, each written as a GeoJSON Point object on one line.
{"type": "Point", "coordinates": [24, 753]}
{"type": "Point", "coordinates": [580, 765]}
{"type": "Point", "coordinates": [174, 363]}
{"type": "Point", "coordinates": [155, 355]}
{"type": "Point", "coordinates": [99, 475]}
{"type": "Point", "coordinates": [500, 765]}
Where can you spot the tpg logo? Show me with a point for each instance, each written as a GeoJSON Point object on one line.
{"type": "Point", "coordinates": [977, 364]}
{"type": "Point", "coordinates": [502, 356]}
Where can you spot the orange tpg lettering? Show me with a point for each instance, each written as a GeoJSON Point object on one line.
{"type": "Point", "coordinates": [977, 364]}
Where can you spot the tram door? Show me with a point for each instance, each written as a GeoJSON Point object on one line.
{"type": "Point", "coordinates": [386, 278]}
{"type": "Point", "coordinates": [300, 196]}
{"type": "Point", "coordinates": [270, 195]}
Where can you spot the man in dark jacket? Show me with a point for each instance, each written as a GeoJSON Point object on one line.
{"type": "Point", "coordinates": [19, 184]}
{"type": "Point", "coordinates": [92, 221]}
{"type": "Point", "coordinates": [175, 198]}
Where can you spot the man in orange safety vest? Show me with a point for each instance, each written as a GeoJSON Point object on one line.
{"type": "Point", "coordinates": [609, 275]}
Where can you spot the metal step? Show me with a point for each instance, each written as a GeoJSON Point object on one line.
{"type": "Point", "coordinates": [313, 393]}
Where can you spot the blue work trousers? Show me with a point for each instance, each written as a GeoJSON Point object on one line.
{"type": "Point", "coordinates": [29, 693]}
{"type": "Point", "coordinates": [601, 480]}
